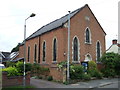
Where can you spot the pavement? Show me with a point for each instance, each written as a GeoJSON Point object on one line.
{"type": "Point", "coordinates": [38, 83]}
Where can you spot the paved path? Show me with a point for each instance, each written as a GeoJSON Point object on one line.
{"type": "Point", "coordinates": [38, 83]}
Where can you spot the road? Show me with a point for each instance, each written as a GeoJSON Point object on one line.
{"type": "Point", "coordinates": [92, 84]}
{"type": "Point", "coordinates": [113, 85]}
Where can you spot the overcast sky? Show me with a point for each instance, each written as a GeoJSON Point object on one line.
{"type": "Point", "coordinates": [14, 12]}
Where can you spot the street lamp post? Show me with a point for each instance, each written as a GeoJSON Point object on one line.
{"type": "Point", "coordinates": [68, 55]}
{"type": "Point", "coordinates": [24, 79]}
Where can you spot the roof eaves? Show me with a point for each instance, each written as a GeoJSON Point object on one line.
{"type": "Point", "coordinates": [2, 54]}
{"type": "Point", "coordinates": [109, 47]}
{"type": "Point", "coordinates": [43, 33]}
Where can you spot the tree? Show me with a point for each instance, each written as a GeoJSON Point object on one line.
{"type": "Point", "coordinates": [15, 49]}
{"type": "Point", "coordinates": [111, 62]}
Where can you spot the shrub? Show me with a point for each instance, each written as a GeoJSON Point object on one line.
{"type": "Point", "coordinates": [66, 82]}
{"type": "Point", "coordinates": [62, 64]}
{"type": "Point", "coordinates": [49, 78]}
{"type": "Point", "coordinates": [35, 68]}
{"type": "Point", "coordinates": [98, 74]}
{"type": "Point", "coordinates": [12, 71]}
{"type": "Point", "coordinates": [92, 65]}
{"type": "Point", "coordinates": [93, 71]}
{"type": "Point", "coordinates": [44, 69]}
{"type": "Point", "coordinates": [20, 67]}
{"type": "Point", "coordinates": [28, 67]}
{"type": "Point", "coordinates": [40, 77]}
{"type": "Point", "coordinates": [38, 70]}
{"type": "Point", "coordinates": [86, 76]}
{"type": "Point", "coordinates": [92, 68]}
{"type": "Point", "coordinates": [108, 72]}
{"type": "Point", "coordinates": [76, 72]}
{"type": "Point", "coordinates": [117, 65]}
{"type": "Point", "coordinates": [111, 62]}
{"type": "Point", "coordinates": [10, 64]}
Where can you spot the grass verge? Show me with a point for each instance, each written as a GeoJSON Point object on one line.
{"type": "Point", "coordinates": [17, 87]}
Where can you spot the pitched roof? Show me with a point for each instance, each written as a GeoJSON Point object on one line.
{"type": "Point", "coordinates": [58, 23]}
{"type": "Point", "coordinates": [13, 55]}
{"type": "Point", "coordinates": [55, 24]}
{"type": "Point", "coordinates": [6, 54]}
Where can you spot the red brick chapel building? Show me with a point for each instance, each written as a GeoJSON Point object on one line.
{"type": "Point", "coordinates": [48, 45]}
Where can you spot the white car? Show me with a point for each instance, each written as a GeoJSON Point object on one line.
{"type": "Point", "coordinates": [2, 66]}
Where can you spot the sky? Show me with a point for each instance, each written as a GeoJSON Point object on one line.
{"type": "Point", "coordinates": [14, 13]}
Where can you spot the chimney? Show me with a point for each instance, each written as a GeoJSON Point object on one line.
{"type": "Point", "coordinates": [114, 41]}
{"type": "Point", "coordinates": [118, 45]}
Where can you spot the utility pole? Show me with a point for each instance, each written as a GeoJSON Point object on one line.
{"type": "Point", "coordinates": [68, 55]}
{"type": "Point", "coordinates": [119, 27]}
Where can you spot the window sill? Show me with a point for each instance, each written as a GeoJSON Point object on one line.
{"type": "Point", "coordinates": [43, 62]}
{"type": "Point", "coordinates": [76, 62]}
{"type": "Point", "coordinates": [34, 62]}
{"type": "Point", "coordinates": [88, 43]}
{"type": "Point", "coordinates": [98, 62]}
{"type": "Point", "coordinates": [54, 62]}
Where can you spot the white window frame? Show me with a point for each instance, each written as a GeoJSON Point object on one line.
{"type": "Point", "coordinates": [56, 49]}
{"type": "Point", "coordinates": [100, 50]}
{"type": "Point", "coordinates": [89, 55]}
{"type": "Point", "coordinates": [36, 52]}
{"type": "Point", "coordinates": [89, 36]}
{"type": "Point", "coordinates": [45, 51]}
{"type": "Point", "coordinates": [29, 53]}
{"type": "Point", "coordinates": [73, 50]}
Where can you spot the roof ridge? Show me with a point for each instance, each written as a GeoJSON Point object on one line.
{"type": "Point", "coordinates": [74, 12]}
{"type": "Point", "coordinates": [65, 15]}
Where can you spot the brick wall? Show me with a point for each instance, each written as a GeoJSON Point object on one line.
{"type": "Point", "coordinates": [31, 43]}
{"type": "Point", "coordinates": [78, 26]}
{"type": "Point", "coordinates": [14, 80]}
{"type": "Point", "coordinates": [21, 51]}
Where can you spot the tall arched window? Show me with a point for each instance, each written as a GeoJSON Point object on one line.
{"type": "Point", "coordinates": [98, 51]}
{"type": "Point", "coordinates": [54, 49]}
{"type": "Point", "coordinates": [35, 53]}
{"type": "Point", "coordinates": [87, 36]}
{"type": "Point", "coordinates": [28, 57]}
{"type": "Point", "coordinates": [75, 49]}
{"type": "Point", "coordinates": [44, 51]}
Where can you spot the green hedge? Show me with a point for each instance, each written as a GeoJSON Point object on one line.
{"type": "Point", "coordinates": [12, 71]}
{"type": "Point", "coordinates": [15, 69]}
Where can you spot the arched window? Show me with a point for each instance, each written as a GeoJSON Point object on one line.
{"type": "Point", "coordinates": [35, 53]}
{"type": "Point", "coordinates": [54, 49]}
{"type": "Point", "coordinates": [44, 51]}
{"type": "Point", "coordinates": [28, 57]}
{"type": "Point", "coordinates": [75, 49]}
{"type": "Point", "coordinates": [87, 36]}
{"type": "Point", "coordinates": [98, 51]}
